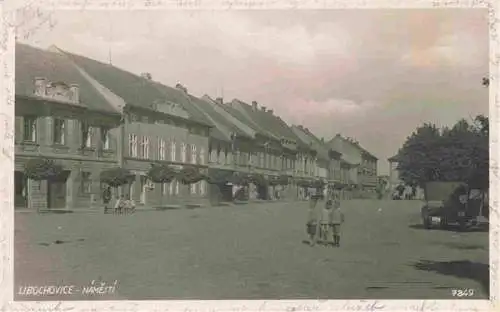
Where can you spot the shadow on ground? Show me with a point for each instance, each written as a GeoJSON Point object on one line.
{"type": "Point", "coordinates": [462, 246]}
{"type": "Point", "coordinates": [449, 228]}
{"type": "Point", "coordinates": [462, 269]}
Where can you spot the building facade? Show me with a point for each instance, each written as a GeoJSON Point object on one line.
{"type": "Point", "coordinates": [160, 126]}
{"type": "Point", "coordinates": [60, 117]}
{"type": "Point", "coordinates": [279, 152]}
{"type": "Point", "coordinates": [394, 179]}
{"type": "Point", "coordinates": [328, 161]}
{"type": "Point", "coordinates": [367, 172]}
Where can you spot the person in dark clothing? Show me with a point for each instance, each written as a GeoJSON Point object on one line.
{"type": "Point", "coordinates": [106, 198]}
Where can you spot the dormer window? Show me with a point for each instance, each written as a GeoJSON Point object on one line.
{"type": "Point", "coordinates": [59, 91]}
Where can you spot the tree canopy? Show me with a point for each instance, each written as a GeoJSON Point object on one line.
{"type": "Point", "coordinates": [460, 153]}
{"type": "Point", "coordinates": [42, 169]}
{"type": "Point", "coordinates": [116, 177]}
{"type": "Point", "coordinates": [161, 173]}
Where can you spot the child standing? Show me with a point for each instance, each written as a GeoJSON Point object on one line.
{"type": "Point", "coordinates": [337, 218]}
{"type": "Point", "coordinates": [312, 223]}
{"type": "Point", "coordinates": [326, 221]}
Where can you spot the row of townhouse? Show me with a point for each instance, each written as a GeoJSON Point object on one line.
{"type": "Point", "coordinates": [88, 116]}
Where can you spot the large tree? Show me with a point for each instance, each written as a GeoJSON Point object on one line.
{"type": "Point", "coordinates": [459, 153]}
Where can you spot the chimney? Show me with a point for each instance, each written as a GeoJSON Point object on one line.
{"type": "Point", "coordinates": [75, 90]}
{"type": "Point", "coordinates": [181, 87]}
{"type": "Point", "coordinates": [219, 100]}
{"type": "Point", "coordinates": [301, 128]}
{"type": "Point", "coordinates": [322, 140]}
{"type": "Point", "coordinates": [270, 111]}
{"type": "Point", "coordinates": [146, 76]}
{"type": "Point", "coordinates": [40, 86]}
{"type": "Point", "coordinates": [263, 108]}
{"type": "Point", "coordinates": [254, 105]}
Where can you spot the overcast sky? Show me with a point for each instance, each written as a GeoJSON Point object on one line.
{"type": "Point", "coordinates": [371, 74]}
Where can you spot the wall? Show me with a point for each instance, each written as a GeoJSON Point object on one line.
{"type": "Point", "coordinates": [70, 155]}
{"type": "Point", "coordinates": [167, 131]}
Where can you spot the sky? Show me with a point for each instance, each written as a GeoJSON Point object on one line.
{"type": "Point", "coordinates": [374, 75]}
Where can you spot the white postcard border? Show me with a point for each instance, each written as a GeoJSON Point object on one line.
{"type": "Point", "coordinates": [7, 44]}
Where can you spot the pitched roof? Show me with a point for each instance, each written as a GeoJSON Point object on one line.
{"type": "Point", "coordinates": [266, 121]}
{"type": "Point", "coordinates": [136, 90]}
{"type": "Point", "coordinates": [222, 126]}
{"type": "Point", "coordinates": [353, 143]}
{"type": "Point", "coordinates": [393, 158]}
{"type": "Point", "coordinates": [311, 140]}
{"type": "Point", "coordinates": [243, 119]}
{"type": "Point", "coordinates": [33, 62]}
{"type": "Point", "coordinates": [346, 148]}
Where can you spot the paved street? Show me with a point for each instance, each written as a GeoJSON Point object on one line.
{"type": "Point", "coordinates": [250, 252]}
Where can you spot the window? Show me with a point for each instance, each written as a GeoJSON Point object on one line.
{"type": "Point", "coordinates": [183, 152]}
{"type": "Point", "coordinates": [29, 133]}
{"type": "Point", "coordinates": [59, 131]}
{"type": "Point", "coordinates": [177, 187]}
{"type": "Point", "coordinates": [132, 145]}
{"type": "Point", "coordinates": [193, 154]}
{"type": "Point", "coordinates": [86, 134]}
{"type": "Point", "coordinates": [261, 159]}
{"type": "Point", "coordinates": [172, 151]}
{"type": "Point", "coordinates": [202, 156]}
{"type": "Point", "coordinates": [105, 138]}
{"type": "Point", "coordinates": [192, 188]}
{"type": "Point", "coordinates": [85, 183]}
{"type": "Point", "coordinates": [164, 187]}
{"type": "Point", "coordinates": [220, 156]}
{"type": "Point", "coordinates": [161, 149]}
{"type": "Point", "coordinates": [227, 155]}
{"type": "Point", "coordinates": [145, 147]}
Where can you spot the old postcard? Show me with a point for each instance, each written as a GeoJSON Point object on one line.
{"type": "Point", "coordinates": [223, 156]}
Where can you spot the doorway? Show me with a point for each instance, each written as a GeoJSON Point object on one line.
{"type": "Point", "coordinates": [20, 190]}
{"type": "Point", "coordinates": [56, 190]}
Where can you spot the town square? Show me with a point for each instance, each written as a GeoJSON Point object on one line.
{"type": "Point", "coordinates": [187, 254]}
{"type": "Point", "coordinates": [252, 155]}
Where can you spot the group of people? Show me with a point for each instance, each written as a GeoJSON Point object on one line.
{"type": "Point", "coordinates": [327, 223]}
{"type": "Point", "coordinates": [122, 205]}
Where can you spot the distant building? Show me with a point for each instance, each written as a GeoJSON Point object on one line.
{"type": "Point", "coordinates": [278, 151]}
{"type": "Point", "coordinates": [362, 166]}
{"type": "Point", "coordinates": [394, 179]}
{"type": "Point", "coordinates": [328, 161]}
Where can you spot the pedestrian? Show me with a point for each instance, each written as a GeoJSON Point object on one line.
{"type": "Point", "coordinates": [326, 221]}
{"type": "Point", "coordinates": [119, 205]}
{"type": "Point", "coordinates": [129, 206]}
{"type": "Point", "coordinates": [312, 222]}
{"type": "Point", "coordinates": [337, 218]}
{"type": "Point", "coordinates": [106, 198]}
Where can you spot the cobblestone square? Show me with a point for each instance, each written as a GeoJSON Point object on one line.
{"type": "Point", "coordinates": [249, 252]}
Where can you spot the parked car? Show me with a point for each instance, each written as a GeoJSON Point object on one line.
{"type": "Point", "coordinates": [449, 203]}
